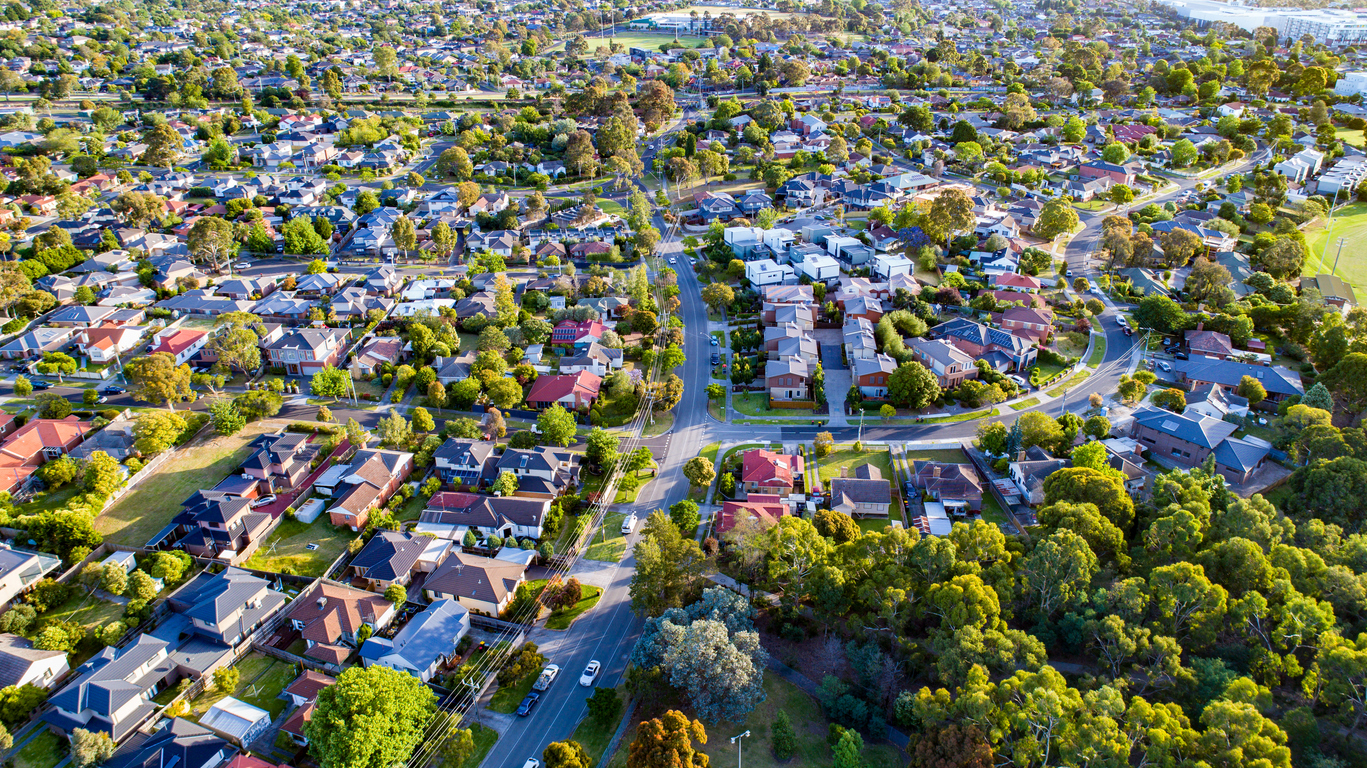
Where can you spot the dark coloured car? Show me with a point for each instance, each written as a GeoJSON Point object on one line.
{"type": "Point", "coordinates": [525, 708]}
{"type": "Point", "coordinates": [716, 358]}
{"type": "Point", "coordinates": [42, 385]}
{"type": "Point", "coordinates": [113, 390]}
{"type": "Point", "coordinates": [1180, 355]}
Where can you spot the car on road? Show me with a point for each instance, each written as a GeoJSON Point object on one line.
{"type": "Point", "coordinates": [547, 677]}
{"type": "Point", "coordinates": [1121, 321]}
{"type": "Point", "coordinates": [1164, 366]}
{"type": "Point", "coordinates": [590, 673]}
{"type": "Point", "coordinates": [42, 385]}
{"type": "Point", "coordinates": [112, 390]}
{"type": "Point", "coordinates": [242, 265]}
{"type": "Point", "coordinates": [629, 524]}
{"type": "Point", "coordinates": [264, 501]}
{"type": "Point", "coordinates": [672, 260]}
{"type": "Point", "coordinates": [715, 341]}
{"type": "Point", "coordinates": [1129, 332]}
{"type": "Point", "coordinates": [532, 762]}
{"type": "Point", "coordinates": [716, 358]}
{"type": "Point", "coordinates": [102, 399]}
{"type": "Point", "coordinates": [525, 708]}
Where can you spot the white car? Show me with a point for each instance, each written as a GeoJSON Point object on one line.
{"type": "Point", "coordinates": [264, 501]}
{"type": "Point", "coordinates": [532, 762]}
{"type": "Point", "coordinates": [1020, 382]}
{"type": "Point", "coordinates": [628, 525]}
{"type": "Point", "coordinates": [242, 265]}
{"type": "Point", "coordinates": [590, 673]}
{"type": "Point", "coordinates": [1121, 321]}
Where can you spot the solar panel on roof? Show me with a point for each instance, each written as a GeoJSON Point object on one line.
{"type": "Point", "coordinates": [1169, 425]}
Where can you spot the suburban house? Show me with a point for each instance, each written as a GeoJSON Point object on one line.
{"type": "Point", "coordinates": [463, 462]}
{"type": "Point", "coordinates": [1002, 350]}
{"type": "Point", "coordinates": [20, 570]}
{"type": "Point", "coordinates": [594, 358]}
{"type": "Point", "coordinates": [767, 472]}
{"type": "Point", "coordinates": [450, 515]}
{"type": "Point", "coordinates": [481, 584]}
{"type": "Point", "coordinates": [374, 477]}
{"type": "Point", "coordinates": [226, 607]}
{"type": "Point", "coordinates": [541, 471]}
{"type": "Point", "coordinates": [113, 690]}
{"type": "Point", "coordinates": [866, 494]}
{"type": "Point", "coordinates": [1029, 470]}
{"type": "Point", "coordinates": [766, 509]}
{"type": "Point", "coordinates": [21, 664]}
{"type": "Point", "coordinates": [424, 645]}
{"type": "Point", "coordinates": [1279, 382]}
{"type": "Point", "coordinates": [574, 391]}
{"type": "Point", "coordinates": [1187, 439]}
{"type": "Point", "coordinates": [950, 364]}
{"type": "Point", "coordinates": [33, 444]}
{"type": "Point", "coordinates": [571, 334]}
{"type": "Point", "coordinates": [280, 461]}
{"type": "Point", "coordinates": [180, 343]}
{"type": "Point", "coordinates": [392, 557]}
{"type": "Point", "coordinates": [180, 742]}
{"type": "Point", "coordinates": [215, 525]}
{"type": "Point", "coordinates": [1028, 322]}
{"type": "Point", "coordinates": [789, 379]}
{"type": "Point", "coordinates": [105, 343]}
{"type": "Point", "coordinates": [1209, 343]}
{"type": "Point", "coordinates": [375, 355]}
{"type": "Point", "coordinates": [956, 486]}
{"type": "Point", "coordinates": [872, 374]}
{"type": "Point", "coordinates": [306, 351]}
{"type": "Point", "coordinates": [331, 615]}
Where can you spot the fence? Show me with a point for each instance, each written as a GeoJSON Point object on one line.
{"type": "Point", "coordinates": [150, 468]}
{"type": "Point", "coordinates": [987, 473]}
{"type": "Point", "coordinates": [303, 661]}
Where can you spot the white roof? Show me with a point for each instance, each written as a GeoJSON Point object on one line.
{"type": "Point", "coordinates": [233, 717]}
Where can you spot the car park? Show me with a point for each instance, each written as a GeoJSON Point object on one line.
{"type": "Point", "coordinates": [590, 673]}
{"type": "Point", "coordinates": [525, 708]}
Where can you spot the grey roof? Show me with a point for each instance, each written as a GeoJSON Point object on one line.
{"type": "Point", "coordinates": [180, 743]}
{"type": "Point", "coordinates": [431, 635]}
{"type": "Point", "coordinates": [979, 334]}
{"type": "Point", "coordinates": [103, 685]}
{"type": "Point", "coordinates": [213, 597]}
{"type": "Point", "coordinates": [1240, 454]}
{"type": "Point", "coordinates": [390, 555]}
{"type": "Point", "coordinates": [17, 655]}
{"type": "Point", "coordinates": [1276, 379]}
{"type": "Point", "coordinates": [1198, 430]}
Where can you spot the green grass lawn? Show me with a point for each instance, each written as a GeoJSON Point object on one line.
{"type": "Point", "coordinates": [506, 698]}
{"type": "Point", "coordinates": [662, 423]}
{"type": "Point", "coordinates": [847, 457]}
{"type": "Point", "coordinates": [945, 456]}
{"type": "Point", "coordinates": [608, 545]}
{"type": "Point", "coordinates": [291, 540]}
{"type": "Point", "coordinates": [47, 501]}
{"type": "Point", "coordinates": [1098, 352]}
{"type": "Point", "coordinates": [1022, 405]}
{"type": "Point", "coordinates": [563, 619]}
{"type": "Point", "coordinates": [87, 609]}
{"type": "Point", "coordinates": [992, 511]}
{"type": "Point", "coordinates": [969, 416]}
{"type": "Point", "coordinates": [45, 751]}
{"type": "Point", "coordinates": [1350, 223]}
{"type": "Point", "coordinates": [263, 678]}
{"type": "Point", "coordinates": [145, 510]}
{"type": "Point", "coordinates": [1069, 382]}
{"type": "Point", "coordinates": [757, 404]}
{"type": "Point", "coordinates": [595, 736]}
{"type": "Point", "coordinates": [485, 739]}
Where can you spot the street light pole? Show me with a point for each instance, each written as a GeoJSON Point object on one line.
{"type": "Point", "coordinates": [1336, 257]}
{"type": "Point", "coordinates": [739, 748]}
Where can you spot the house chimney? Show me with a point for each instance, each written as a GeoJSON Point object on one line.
{"type": "Point", "coordinates": [935, 471]}
{"type": "Point", "coordinates": [1200, 324]}
{"type": "Point", "coordinates": [844, 471]}
{"type": "Point", "coordinates": [322, 601]}
{"type": "Point", "coordinates": [1020, 455]}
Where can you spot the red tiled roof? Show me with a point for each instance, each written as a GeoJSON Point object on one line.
{"type": "Point", "coordinates": [769, 468]}
{"type": "Point", "coordinates": [179, 341]}
{"type": "Point", "coordinates": [548, 389]}
{"type": "Point", "coordinates": [765, 507]}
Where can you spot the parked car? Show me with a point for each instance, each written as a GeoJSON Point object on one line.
{"type": "Point", "coordinates": [264, 501]}
{"type": "Point", "coordinates": [1180, 355]}
{"type": "Point", "coordinates": [715, 341]}
{"type": "Point", "coordinates": [242, 265]}
{"type": "Point", "coordinates": [1164, 366]}
{"type": "Point", "coordinates": [1020, 381]}
{"type": "Point", "coordinates": [102, 399]}
{"type": "Point", "coordinates": [525, 708]}
{"type": "Point", "coordinates": [716, 358]}
{"type": "Point", "coordinates": [532, 762]}
{"type": "Point", "coordinates": [629, 524]}
{"type": "Point", "coordinates": [1121, 321]}
{"type": "Point", "coordinates": [590, 673]}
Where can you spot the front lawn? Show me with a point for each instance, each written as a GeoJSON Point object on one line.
{"type": "Point", "coordinates": [848, 458]}
{"type": "Point", "coordinates": [595, 736]}
{"type": "Point", "coordinates": [1098, 352]}
{"type": "Point", "coordinates": [608, 544]}
{"type": "Point", "coordinates": [485, 739]}
{"type": "Point", "coordinates": [1023, 404]}
{"type": "Point", "coordinates": [757, 404]}
{"type": "Point", "coordinates": [563, 619]}
{"type": "Point", "coordinates": [288, 547]}
{"type": "Point", "coordinates": [507, 697]}
{"type": "Point", "coordinates": [149, 507]}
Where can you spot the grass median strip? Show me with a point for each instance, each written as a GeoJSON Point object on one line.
{"type": "Point", "coordinates": [1022, 405]}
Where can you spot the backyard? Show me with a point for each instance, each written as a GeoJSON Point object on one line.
{"type": "Point", "coordinates": [262, 679]}
{"type": "Point", "coordinates": [148, 508]}
{"type": "Point", "coordinates": [848, 458]}
{"type": "Point", "coordinates": [46, 750]}
{"type": "Point", "coordinates": [1350, 223]}
{"type": "Point", "coordinates": [288, 549]}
